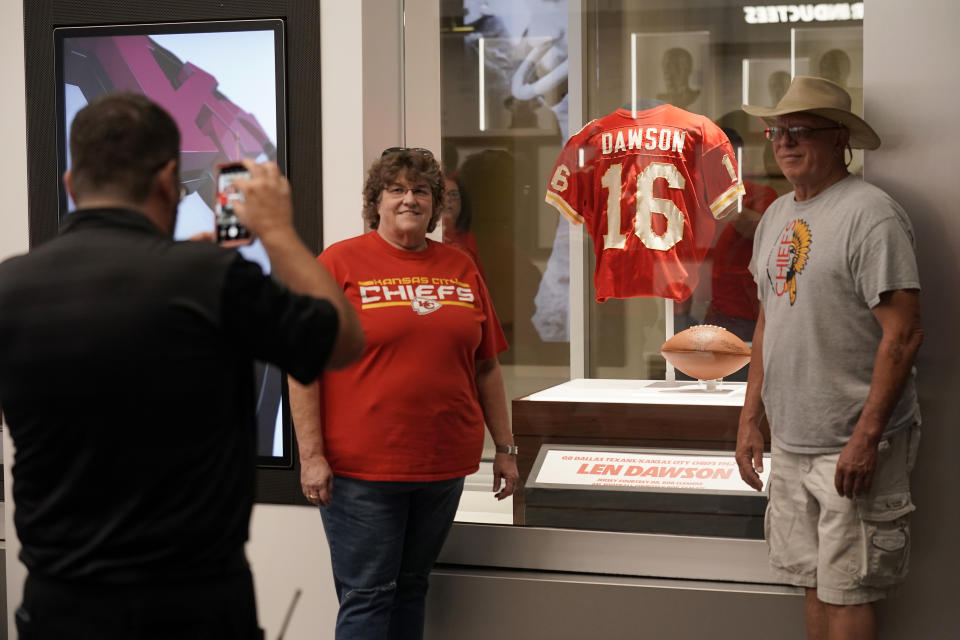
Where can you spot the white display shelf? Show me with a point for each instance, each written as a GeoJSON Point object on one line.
{"type": "Point", "coordinates": [727, 394]}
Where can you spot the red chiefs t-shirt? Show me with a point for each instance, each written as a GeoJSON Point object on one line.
{"type": "Point", "coordinates": [408, 409]}
{"type": "Point", "coordinates": [648, 189]}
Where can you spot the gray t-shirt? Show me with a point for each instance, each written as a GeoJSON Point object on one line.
{"type": "Point", "coordinates": [820, 267]}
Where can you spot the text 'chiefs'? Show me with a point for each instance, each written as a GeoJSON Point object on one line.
{"type": "Point", "coordinates": [408, 288]}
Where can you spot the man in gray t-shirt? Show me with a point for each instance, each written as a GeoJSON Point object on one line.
{"type": "Point", "coordinates": [832, 369]}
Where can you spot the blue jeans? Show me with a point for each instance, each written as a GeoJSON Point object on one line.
{"type": "Point", "coordinates": [384, 538]}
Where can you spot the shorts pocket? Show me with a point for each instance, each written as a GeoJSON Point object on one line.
{"type": "Point", "coordinates": [766, 523]}
{"type": "Point", "coordinates": [913, 447]}
{"type": "Point", "coordinates": [886, 538]}
{"type": "Point", "coordinates": [767, 519]}
{"type": "Point", "coordinates": [785, 544]}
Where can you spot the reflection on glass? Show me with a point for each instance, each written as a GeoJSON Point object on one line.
{"type": "Point", "coordinates": [835, 53]}
{"type": "Point", "coordinates": [678, 78]}
{"type": "Point", "coordinates": [504, 101]}
{"type": "Point", "coordinates": [506, 92]}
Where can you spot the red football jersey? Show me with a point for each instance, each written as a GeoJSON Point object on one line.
{"type": "Point", "coordinates": [648, 186]}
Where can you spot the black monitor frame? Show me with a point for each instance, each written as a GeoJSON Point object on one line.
{"type": "Point", "coordinates": [302, 26]}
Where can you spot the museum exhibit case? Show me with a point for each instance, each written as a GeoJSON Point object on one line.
{"type": "Point", "coordinates": [593, 398]}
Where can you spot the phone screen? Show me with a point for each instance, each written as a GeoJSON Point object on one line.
{"type": "Point", "coordinates": [229, 228]}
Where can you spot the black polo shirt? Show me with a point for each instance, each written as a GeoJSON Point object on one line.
{"type": "Point", "coordinates": [126, 378]}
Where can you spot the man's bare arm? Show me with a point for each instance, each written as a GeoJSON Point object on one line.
{"type": "Point", "coordinates": [898, 315]}
{"type": "Point", "coordinates": [749, 453]}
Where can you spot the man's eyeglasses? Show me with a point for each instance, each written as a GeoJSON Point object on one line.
{"type": "Point", "coordinates": [797, 134]}
{"type": "Point", "coordinates": [390, 150]}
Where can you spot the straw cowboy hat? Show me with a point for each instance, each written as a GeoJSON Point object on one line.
{"type": "Point", "coordinates": [823, 98]}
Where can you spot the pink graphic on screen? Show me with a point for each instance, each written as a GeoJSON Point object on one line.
{"type": "Point", "coordinates": [213, 129]}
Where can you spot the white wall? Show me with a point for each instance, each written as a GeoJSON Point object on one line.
{"type": "Point", "coordinates": [13, 116]}
{"type": "Point", "coordinates": [288, 551]}
{"type": "Point", "coordinates": [911, 93]}
{"type": "Point", "coordinates": [357, 114]}
{"type": "Point", "coordinates": [13, 236]}
{"type": "Point", "coordinates": [341, 112]}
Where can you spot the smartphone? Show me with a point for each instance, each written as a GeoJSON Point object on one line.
{"type": "Point", "coordinates": [230, 231]}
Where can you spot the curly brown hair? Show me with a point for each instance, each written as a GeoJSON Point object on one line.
{"type": "Point", "coordinates": [413, 164]}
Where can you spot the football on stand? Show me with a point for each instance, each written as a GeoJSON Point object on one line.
{"type": "Point", "coordinates": [706, 352]}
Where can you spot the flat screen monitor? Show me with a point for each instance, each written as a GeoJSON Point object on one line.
{"type": "Point", "coordinates": [224, 84]}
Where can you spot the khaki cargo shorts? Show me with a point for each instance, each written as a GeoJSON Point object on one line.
{"type": "Point", "coordinates": [850, 551]}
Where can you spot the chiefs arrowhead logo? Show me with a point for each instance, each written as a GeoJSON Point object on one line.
{"type": "Point", "coordinates": [423, 306]}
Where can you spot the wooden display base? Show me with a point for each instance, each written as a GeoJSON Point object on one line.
{"type": "Point", "coordinates": [564, 491]}
{"type": "Point", "coordinates": [649, 414]}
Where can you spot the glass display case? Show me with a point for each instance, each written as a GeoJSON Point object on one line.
{"type": "Point", "coordinates": [518, 79]}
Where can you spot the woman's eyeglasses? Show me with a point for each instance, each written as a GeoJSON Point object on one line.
{"type": "Point", "coordinates": [390, 150]}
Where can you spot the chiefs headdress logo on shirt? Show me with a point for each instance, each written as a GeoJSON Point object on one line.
{"type": "Point", "coordinates": [788, 258]}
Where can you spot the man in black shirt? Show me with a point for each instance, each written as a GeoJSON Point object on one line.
{"type": "Point", "coordinates": [126, 378]}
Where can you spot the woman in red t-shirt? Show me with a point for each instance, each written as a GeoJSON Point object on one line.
{"type": "Point", "coordinates": [386, 442]}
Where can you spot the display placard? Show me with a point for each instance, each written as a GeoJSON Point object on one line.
{"type": "Point", "coordinates": [653, 469]}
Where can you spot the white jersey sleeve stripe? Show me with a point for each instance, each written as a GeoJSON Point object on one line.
{"type": "Point", "coordinates": [561, 205]}
{"type": "Point", "coordinates": [727, 198]}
